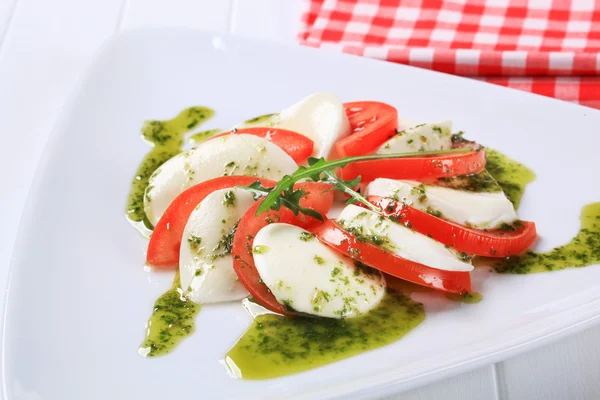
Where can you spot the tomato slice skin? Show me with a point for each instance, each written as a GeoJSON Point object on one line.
{"type": "Point", "coordinates": [336, 237]}
{"type": "Point", "coordinates": [416, 168]}
{"type": "Point", "coordinates": [318, 196]}
{"type": "Point", "coordinates": [296, 145]}
{"type": "Point", "coordinates": [492, 243]}
{"type": "Point", "coordinates": [371, 124]}
{"type": "Point", "coordinates": [163, 248]}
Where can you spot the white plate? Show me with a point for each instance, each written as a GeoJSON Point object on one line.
{"type": "Point", "coordinates": [79, 295]}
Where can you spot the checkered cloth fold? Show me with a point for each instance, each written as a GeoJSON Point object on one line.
{"type": "Point", "coordinates": [549, 47]}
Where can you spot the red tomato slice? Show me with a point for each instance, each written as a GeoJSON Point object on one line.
{"type": "Point", "coordinates": [333, 235]}
{"type": "Point", "coordinates": [417, 168]}
{"type": "Point", "coordinates": [298, 146]}
{"type": "Point", "coordinates": [319, 196]}
{"type": "Point", "coordinates": [371, 124]}
{"type": "Point", "coordinates": [163, 248]}
{"type": "Point", "coordinates": [492, 243]}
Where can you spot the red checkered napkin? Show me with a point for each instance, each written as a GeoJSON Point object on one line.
{"type": "Point", "coordinates": [549, 47]}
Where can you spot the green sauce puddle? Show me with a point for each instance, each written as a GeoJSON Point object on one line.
{"type": "Point", "coordinates": [172, 320]}
{"type": "Point", "coordinates": [166, 138]}
{"type": "Point", "coordinates": [510, 174]}
{"type": "Point", "coordinates": [276, 346]}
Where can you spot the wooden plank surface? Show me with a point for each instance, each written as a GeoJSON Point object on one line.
{"type": "Point", "coordinates": [569, 369]}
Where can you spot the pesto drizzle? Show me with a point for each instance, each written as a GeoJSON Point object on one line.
{"type": "Point", "coordinates": [172, 320]}
{"type": "Point", "coordinates": [480, 182]}
{"type": "Point", "coordinates": [275, 345]}
{"type": "Point", "coordinates": [510, 174]}
{"type": "Point", "coordinates": [266, 119]}
{"type": "Point", "coordinates": [581, 251]}
{"type": "Point", "coordinates": [166, 139]}
{"type": "Point", "coordinates": [203, 136]}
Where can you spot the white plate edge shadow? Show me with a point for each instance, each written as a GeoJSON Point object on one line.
{"type": "Point", "coordinates": [32, 193]}
{"type": "Point", "coordinates": [384, 384]}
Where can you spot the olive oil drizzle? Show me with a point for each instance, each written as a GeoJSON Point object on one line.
{"type": "Point", "coordinates": [166, 139]}
{"type": "Point", "coordinates": [172, 320]}
{"type": "Point", "coordinates": [581, 251]}
{"type": "Point", "coordinates": [511, 175]}
{"type": "Point", "coordinates": [276, 346]}
{"type": "Point", "coordinates": [203, 136]}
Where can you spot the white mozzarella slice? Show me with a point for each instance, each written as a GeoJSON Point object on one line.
{"type": "Point", "coordinates": [400, 240]}
{"type": "Point", "coordinates": [226, 155]}
{"type": "Point", "coordinates": [424, 137]}
{"type": "Point", "coordinates": [205, 262]}
{"type": "Point", "coordinates": [405, 123]}
{"type": "Point", "coordinates": [320, 117]}
{"type": "Point", "coordinates": [484, 210]}
{"type": "Point", "coordinates": [310, 277]}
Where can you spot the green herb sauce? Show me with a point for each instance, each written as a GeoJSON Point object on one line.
{"type": "Point", "coordinates": [469, 298]}
{"type": "Point", "coordinates": [261, 120]}
{"type": "Point", "coordinates": [223, 248]}
{"type": "Point", "coordinates": [480, 182]}
{"type": "Point", "coordinates": [581, 251]}
{"type": "Point", "coordinates": [172, 320]}
{"type": "Point", "coordinates": [276, 346]}
{"type": "Point", "coordinates": [203, 136]}
{"type": "Point", "coordinates": [510, 174]}
{"type": "Point", "coordinates": [166, 139]}
{"type": "Point", "coordinates": [410, 288]}
{"type": "Point", "coordinates": [260, 249]}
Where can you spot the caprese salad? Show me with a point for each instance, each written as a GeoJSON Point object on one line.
{"type": "Point", "coordinates": [314, 210]}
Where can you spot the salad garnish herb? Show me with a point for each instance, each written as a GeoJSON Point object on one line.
{"type": "Point", "coordinates": [320, 170]}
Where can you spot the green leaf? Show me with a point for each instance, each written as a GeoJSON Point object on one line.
{"type": "Point", "coordinates": [348, 188]}
{"type": "Point", "coordinates": [319, 169]}
{"type": "Point", "coordinates": [257, 189]}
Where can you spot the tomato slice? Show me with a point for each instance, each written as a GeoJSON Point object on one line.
{"type": "Point", "coordinates": [488, 243]}
{"type": "Point", "coordinates": [163, 248]}
{"type": "Point", "coordinates": [417, 168]}
{"type": "Point", "coordinates": [333, 235]}
{"type": "Point", "coordinates": [298, 146]}
{"type": "Point", "coordinates": [371, 124]}
{"type": "Point", "coordinates": [318, 196]}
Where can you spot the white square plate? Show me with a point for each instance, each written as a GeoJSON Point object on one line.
{"type": "Point", "coordinates": [79, 295]}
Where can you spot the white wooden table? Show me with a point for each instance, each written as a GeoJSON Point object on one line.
{"type": "Point", "coordinates": [40, 39]}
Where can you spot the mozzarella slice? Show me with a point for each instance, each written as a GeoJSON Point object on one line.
{"type": "Point", "coordinates": [424, 137]}
{"type": "Point", "coordinates": [405, 123]}
{"type": "Point", "coordinates": [320, 117]}
{"type": "Point", "coordinates": [226, 155]}
{"type": "Point", "coordinates": [400, 240]}
{"type": "Point", "coordinates": [484, 210]}
{"type": "Point", "coordinates": [310, 277]}
{"type": "Point", "coordinates": [205, 262]}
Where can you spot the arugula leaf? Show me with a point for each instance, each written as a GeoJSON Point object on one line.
{"type": "Point", "coordinates": [347, 187]}
{"type": "Point", "coordinates": [320, 170]}
{"type": "Point", "coordinates": [257, 189]}
{"type": "Point", "coordinates": [290, 199]}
